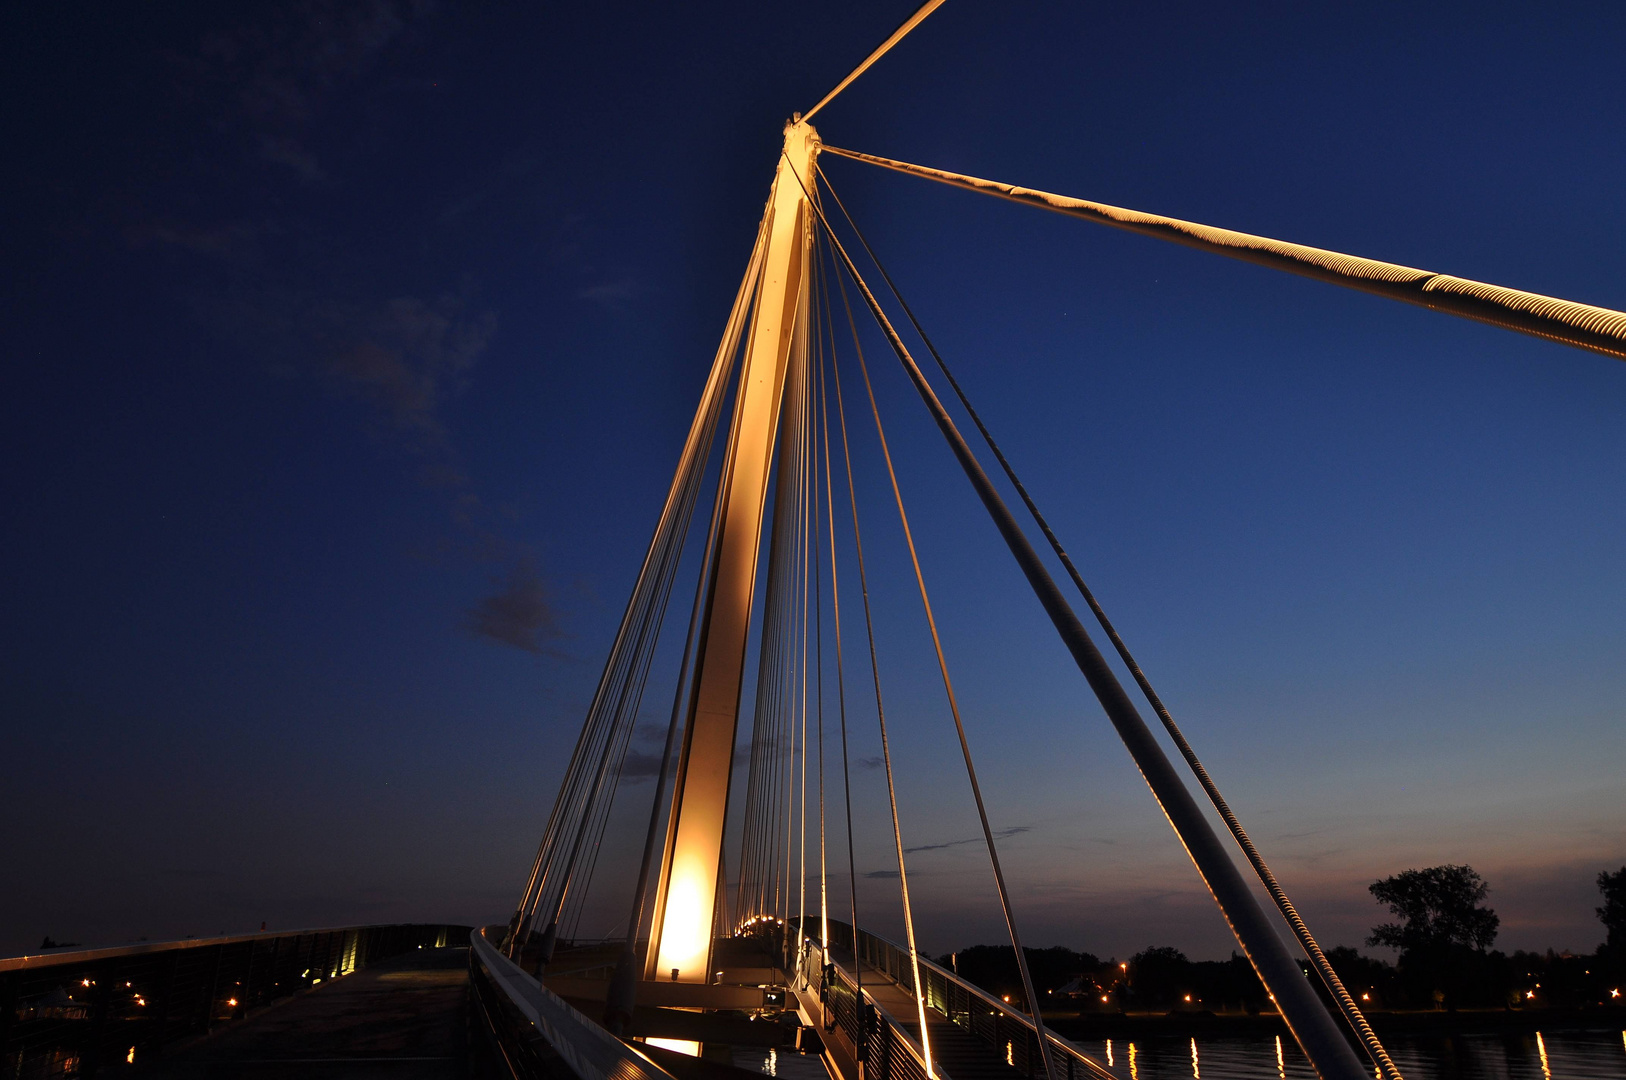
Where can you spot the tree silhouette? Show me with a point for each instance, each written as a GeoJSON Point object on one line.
{"type": "Point", "coordinates": [1441, 920]}
{"type": "Point", "coordinates": [1613, 912]}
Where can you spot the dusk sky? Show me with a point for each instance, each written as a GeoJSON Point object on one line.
{"type": "Point", "coordinates": [349, 348]}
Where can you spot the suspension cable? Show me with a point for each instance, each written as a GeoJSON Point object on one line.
{"type": "Point", "coordinates": [1304, 1014]}
{"type": "Point", "coordinates": [659, 565]}
{"type": "Point", "coordinates": [880, 715]}
{"type": "Point", "coordinates": [1335, 985]}
{"type": "Point", "coordinates": [1584, 326]}
{"type": "Point", "coordinates": [818, 649]}
{"type": "Point", "coordinates": [841, 694]}
{"type": "Point", "coordinates": [807, 437]}
{"type": "Point", "coordinates": [959, 727]}
{"type": "Point", "coordinates": [897, 35]}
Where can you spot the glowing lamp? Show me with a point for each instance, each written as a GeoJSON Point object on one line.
{"type": "Point", "coordinates": [686, 930]}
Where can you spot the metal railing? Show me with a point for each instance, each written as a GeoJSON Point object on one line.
{"type": "Point", "coordinates": [538, 1035]}
{"type": "Point", "coordinates": [71, 1014]}
{"type": "Point", "coordinates": [888, 1049]}
{"type": "Point", "coordinates": [1008, 1032]}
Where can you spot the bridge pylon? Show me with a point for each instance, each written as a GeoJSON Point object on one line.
{"type": "Point", "coordinates": [688, 891]}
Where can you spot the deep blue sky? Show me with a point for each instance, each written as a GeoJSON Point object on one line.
{"type": "Point", "coordinates": [348, 349]}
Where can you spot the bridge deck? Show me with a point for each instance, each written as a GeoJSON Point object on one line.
{"type": "Point", "coordinates": [400, 1019]}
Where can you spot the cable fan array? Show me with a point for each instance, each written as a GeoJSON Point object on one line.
{"type": "Point", "coordinates": [784, 827]}
{"type": "Point", "coordinates": [783, 824]}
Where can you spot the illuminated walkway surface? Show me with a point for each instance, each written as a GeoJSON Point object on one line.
{"type": "Point", "coordinates": [405, 1019]}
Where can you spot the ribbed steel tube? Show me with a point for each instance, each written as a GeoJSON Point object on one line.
{"type": "Point", "coordinates": [1584, 326]}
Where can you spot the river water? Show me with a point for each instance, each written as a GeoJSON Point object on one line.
{"type": "Point", "coordinates": [1564, 1055]}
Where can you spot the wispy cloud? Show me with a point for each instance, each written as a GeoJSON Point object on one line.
{"type": "Point", "coordinates": [287, 152]}
{"type": "Point", "coordinates": [999, 834]}
{"type": "Point", "coordinates": [519, 614]}
{"type": "Point", "coordinates": [641, 765]}
{"type": "Point", "coordinates": [406, 355]}
{"type": "Point", "coordinates": [611, 295]}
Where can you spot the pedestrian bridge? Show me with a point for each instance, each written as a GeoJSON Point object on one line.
{"type": "Point", "coordinates": [443, 1002]}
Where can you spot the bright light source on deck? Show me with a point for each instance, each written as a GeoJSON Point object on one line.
{"type": "Point", "coordinates": [686, 930]}
{"type": "Point", "coordinates": [682, 1046]}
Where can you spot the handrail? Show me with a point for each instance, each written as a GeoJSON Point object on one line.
{"type": "Point", "coordinates": [898, 970]}
{"type": "Point", "coordinates": [34, 961]}
{"type": "Point", "coordinates": [589, 1050]}
{"type": "Point", "coordinates": [81, 1010]}
{"type": "Point", "coordinates": [899, 1052]}
{"type": "Point", "coordinates": [1066, 1046]}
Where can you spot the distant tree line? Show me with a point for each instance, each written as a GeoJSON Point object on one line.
{"type": "Point", "coordinates": [1441, 929]}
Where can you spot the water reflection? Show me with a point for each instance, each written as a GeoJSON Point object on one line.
{"type": "Point", "coordinates": [1565, 1055]}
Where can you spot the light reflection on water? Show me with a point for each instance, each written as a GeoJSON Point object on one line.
{"type": "Point", "coordinates": [1564, 1055]}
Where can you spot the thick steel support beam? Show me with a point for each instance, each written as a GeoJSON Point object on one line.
{"type": "Point", "coordinates": [1310, 1022]}
{"type": "Point", "coordinates": [1584, 326]}
{"type": "Point", "coordinates": [685, 907]}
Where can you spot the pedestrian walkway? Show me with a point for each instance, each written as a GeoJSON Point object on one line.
{"type": "Point", "coordinates": [400, 1019]}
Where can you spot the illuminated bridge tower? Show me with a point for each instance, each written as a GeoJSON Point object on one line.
{"type": "Point", "coordinates": [775, 364]}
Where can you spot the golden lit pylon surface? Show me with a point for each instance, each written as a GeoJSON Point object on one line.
{"type": "Point", "coordinates": [686, 897]}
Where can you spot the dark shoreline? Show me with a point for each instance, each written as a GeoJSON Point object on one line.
{"type": "Point", "coordinates": [1463, 1022]}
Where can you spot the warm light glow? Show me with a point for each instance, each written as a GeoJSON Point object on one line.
{"type": "Point", "coordinates": [1366, 997]}
{"type": "Point", "coordinates": [1007, 999]}
{"type": "Point", "coordinates": [1123, 967]}
{"type": "Point", "coordinates": [682, 1046]}
{"type": "Point", "coordinates": [1529, 994]}
{"type": "Point", "coordinates": [1281, 1063]}
{"type": "Point", "coordinates": [1195, 1075]}
{"type": "Point", "coordinates": [1188, 997]}
{"type": "Point", "coordinates": [1546, 1072]}
{"type": "Point", "coordinates": [1109, 1047]}
{"type": "Point", "coordinates": [232, 1002]}
{"type": "Point", "coordinates": [686, 930]}
{"type": "Point", "coordinates": [86, 982]}
{"type": "Point", "coordinates": [1104, 1001]}
{"type": "Point", "coordinates": [1010, 1053]}
{"type": "Point", "coordinates": [129, 1058]}
{"type": "Point", "coordinates": [1614, 993]}
{"type": "Point", "coordinates": [1134, 1074]}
